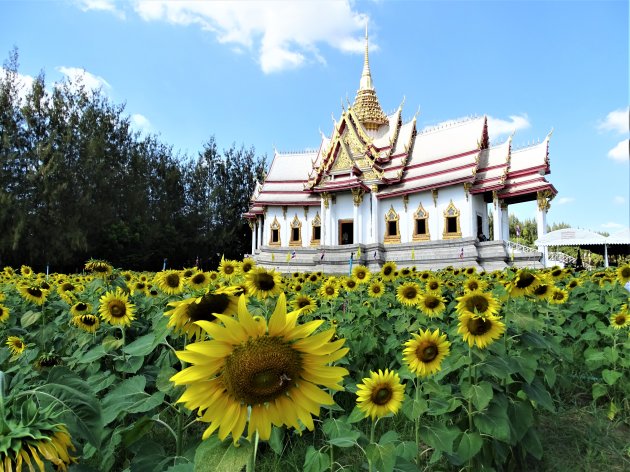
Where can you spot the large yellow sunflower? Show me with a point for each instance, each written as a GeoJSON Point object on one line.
{"type": "Point", "coordinates": [228, 268]}
{"type": "Point", "coordinates": [558, 296]}
{"type": "Point", "coordinates": [305, 303]}
{"type": "Point", "coordinates": [388, 271]}
{"type": "Point", "coordinates": [262, 283]}
{"type": "Point", "coordinates": [472, 284]}
{"type": "Point", "coordinates": [431, 304]}
{"type": "Point", "coordinates": [361, 274]}
{"type": "Point", "coordinates": [620, 319]}
{"type": "Point", "coordinates": [87, 322]}
{"type": "Point", "coordinates": [80, 308]}
{"type": "Point", "coordinates": [478, 330]}
{"type": "Point", "coordinates": [376, 289]}
{"type": "Point", "coordinates": [524, 283]}
{"type": "Point", "coordinates": [116, 309]}
{"type": "Point", "coordinates": [268, 373]}
{"type": "Point", "coordinates": [199, 280]}
{"type": "Point", "coordinates": [16, 345]}
{"type": "Point", "coordinates": [102, 269]}
{"type": "Point", "coordinates": [33, 293]}
{"type": "Point", "coordinates": [408, 293]}
{"type": "Point", "coordinates": [4, 313]}
{"type": "Point", "coordinates": [329, 289]}
{"type": "Point", "coordinates": [247, 264]}
{"type": "Point", "coordinates": [623, 274]}
{"type": "Point", "coordinates": [433, 285]}
{"type": "Point", "coordinates": [26, 271]}
{"type": "Point", "coordinates": [425, 352]}
{"type": "Point", "coordinates": [380, 394]}
{"type": "Point", "coordinates": [350, 284]}
{"type": "Point", "coordinates": [478, 303]}
{"type": "Point", "coordinates": [170, 282]}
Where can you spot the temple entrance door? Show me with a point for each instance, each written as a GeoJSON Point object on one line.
{"type": "Point", "coordinates": [346, 232]}
{"type": "Point", "coordinates": [480, 235]}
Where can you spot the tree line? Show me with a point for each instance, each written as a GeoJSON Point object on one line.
{"type": "Point", "coordinates": [77, 182]}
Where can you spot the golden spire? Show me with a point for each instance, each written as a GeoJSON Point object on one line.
{"type": "Point", "coordinates": [366, 105]}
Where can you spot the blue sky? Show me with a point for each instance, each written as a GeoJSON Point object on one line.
{"type": "Point", "coordinates": [269, 74]}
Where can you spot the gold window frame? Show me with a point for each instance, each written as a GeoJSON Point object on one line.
{"type": "Point", "coordinates": [296, 224]}
{"type": "Point", "coordinates": [421, 214]}
{"type": "Point", "coordinates": [452, 212]}
{"type": "Point", "coordinates": [275, 226]}
{"type": "Point", "coordinates": [392, 216]}
{"type": "Point", "coordinates": [317, 222]}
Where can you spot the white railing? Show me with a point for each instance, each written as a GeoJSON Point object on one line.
{"type": "Point", "coordinates": [517, 247]}
{"type": "Point", "coordinates": [565, 259]}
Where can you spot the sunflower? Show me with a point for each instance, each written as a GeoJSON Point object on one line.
{"type": "Point", "coordinates": [480, 330]}
{"type": "Point", "coordinates": [524, 283]}
{"type": "Point", "coordinates": [86, 322]}
{"type": "Point", "coordinates": [80, 308]}
{"type": "Point", "coordinates": [297, 288]}
{"type": "Point", "coordinates": [305, 303]}
{"type": "Point", "coordinates": [116, 309]}
{"type": "Point", "coordinates": [101, 268]}
{"type": "Point", "coordinates": [16, 345]}
{"type": "Point", "coordinates": [265, 373]}
{"type": "Point", "coordinates": [380, 394]}
{"type": "Point", "coordinates": [30, 441]}
{"type": "Point", "coordinates": [361, 274]}
{"type": "Point", "coordinates": [431, 304]}
{"type": "Point", "coordinates": [574, 283]}
{"type": "Point", "coordinates": [350, 284]}
{"type": "Point", "coordinates": [170, 282]}
{"type": "Point", "coordinates": [558, 296]}
{"type": "Point", "coordinates": [247, 264]}
{"type": "Point", "coordinates": [406, 272]}
{"type": "Point", "coordinates": [26, 271]}
{"type": "Point", "coordinates": [67, 291]}
{"type": "Point", "coordinates": [313, 277]}
{"type": "Point", "coordinates": [33, 293]}
{"type": "Point", "coordinates": [621, 319]}
{"type": "Point", "coordinates": [329, 289]}
{"type": "Point", "coordinates": [425, 352]}
{"type": "Point", "coordinates": [376, 289]}
{"type": "Point", "coordinates": [433, 285]}
{"type": "Point", "coordinates": [388, 271]}
{"type": "Point", "coordinates": [262, 283]}
{"type": "Point", "coordinates": [544, 290]}
{"type": "Point", "coordinates": [47, 360]}
{"type": "Point", "coordinates": [469, 271]}
{"type": "Point", "coordinates": [4, 313]}
{"type": "Point", "coordinates": [557, 273]}
{"type": "Point", "coordinates": [138, 287]}
{"type": "Point", "coordinates": [198, 280]}
{"type": "Point", "coordinates": [472, 284]}
{"type": "Point", "coordinates": [2, 296]}
{"type": "Point", "coordinates": [408, 293]}
{"type": "Point", "coordinates": [478, 303]}
{"type": "Point", "coordinates": [228, 268]}
{"type": "Point", "coordinates": [186, 313]}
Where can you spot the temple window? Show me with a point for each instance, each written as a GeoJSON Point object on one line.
{"type": "Point", "coordinates": [296, 232]}
{"type": "Point", "coordinates": [421, 225]}
{"type": "Point", "coordinates": [452, 228]}
{"type": "Point", "coordinates": [316, 233]}
{"type": "Point", "coordinates": [392, 227]}
{"type": "Point", "coordinates": [274, 237]}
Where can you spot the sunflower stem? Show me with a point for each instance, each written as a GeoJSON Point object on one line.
{"type": "Point", "coordinates": [470, 406]}
{"type": "Point", "coordinates": [251, 465]}
{"type": "Point", "coordinates": [416, 422]}
{"type": "Point", "coordinates": [371, 442]}
{"type": "Point", "coordinates": [180, 432]}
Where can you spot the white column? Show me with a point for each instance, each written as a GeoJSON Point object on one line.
{"type": "Point", "coordinates": [355, 224]}
{"type": "Point", "coordinates": [306, 231]}
{"type": "Point", "coordinates": [404, 222]}
{"type": "Point", "coordinates": [497, 223]}
{"type": "Point", "coordinates": [261, 230]}
{"type": "Point", "coordinates": [323, 230]}
{"type": "Point", "coordinates": [505, 222]}
{"type": "Point", "coordinates": [541, 226]}
{"type": "Point", "coordinates": [331, 228]}
{"type": "Point", "coordinates": [252, 225]}
{"type": "Point", "coordinates": [375, 222]}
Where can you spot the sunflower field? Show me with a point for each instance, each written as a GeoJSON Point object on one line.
{"type": "Point", "coordinates": [243, 368]}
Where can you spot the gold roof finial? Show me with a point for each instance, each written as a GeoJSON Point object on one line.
{"type": "Point", "coordinates": [366, 104]}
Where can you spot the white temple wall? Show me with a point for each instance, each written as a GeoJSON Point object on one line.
{"type": "Point", "coordinates": [458, 196]}
{"type": "Point", "coordinates": [273, 213]}
{"type": "Point", "coordinates": [426, 198]}
{"type": "Point", "coordinates": [480, 208]}
{"type": "Point", "coordinates": [343, 209]}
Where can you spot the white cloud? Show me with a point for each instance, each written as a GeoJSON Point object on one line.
{"type": "Point", "coordinates": [612, 225]}
{"type": "Point", "coordinates": [621, 152]}
{"type": "Point", "coordinates": [140, 122]}
{"type": "Point", "coordinates": [617, 121]}
{"type": "Point", "coordinates": [91, 81]}
{"type": "Point", "coordinates": [619, 200]}
{"type": "Point", "coordinates": [24, 83]}
{"type": "Point", "coordinates": [564, 200]}
{"type": "Point", "coordinates": [101, 5]}
{"type": "Point", "coordinates": [283, 34]}
{"type": "Point", "coordinates": [498, 127]}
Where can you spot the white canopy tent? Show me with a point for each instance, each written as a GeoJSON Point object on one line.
{"type": "Point", "coordinates": [583, 237]}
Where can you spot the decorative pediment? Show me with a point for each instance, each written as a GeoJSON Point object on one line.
{"type": "Point", "coordinates": [391, 215]}
{"type": "Point", "coordinates": [421, 212]}
{"type": "Point", "coordinates": [296, 223]}
{"type": "Point", "coordinates": [451, 210]}
{"type": "Point", "coordinates": [275, 224]}
{"type": "Point", "coordinates": [317, 221]}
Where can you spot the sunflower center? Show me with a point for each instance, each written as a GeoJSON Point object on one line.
{"type": "Point", "coordinates": [431, 302]}
{"type": "Point", "coordinates": [198, 279]}
{"type": "Point", "coordinates": [361, 274]}
{"type": "Point", "coordinates": [172, 280]}
{"type": "Point", "coordinates": [382, 396]}
{"type": "Point", "coordinates": [228, 269]}
{"type": "Point", "coordinates": [351, 283]}
{"type": "Point", "coordinates": [34, 291]}
{"type": "Point", "coordinates": [81, 306]}
{"type": "Point", "coordinates": [246, 267]}
{"type": "Point", "coordinates": [88, 320]}
{"type": "Point", "coordinates": [376, 289]}
{"type": "Point", "coordinates": [387, 270]}
{"type": "Point", "coordinates": [473, 285]}
{"type": "Point", "coordinates": [117, 308]}
{"type": "Point", "coordinates": [433, 285]}
{"type": "Point", "coordinates": [426, 351]}
{"type": "Point", "coordinates": [478, 326]}
{"type": "Point", "coordinates": [330, 290]}
{"type": "Point", "coordinates": [556, 273]}
{"type": "Point", "coordinates": [620, 320]}
{"type": "Point", "coordinates": [478, 303]}
{"type": "Point", "coordinates": [625, 272]}
{"type": "Point", "coordinates": [525, 280]}
{"type": "Point", "coordinates": [207, 306]}
{"type": "Point", "coordinates": [264, 282]}
{"type": "Point", "coordinates": [541, 290]}
{"type": "Point", "coordinates": [261, 369]}
{"type": "Point", "coordinates": [303, 303]}
{"type": "Point", "coordinates": [558, 296]}
{"type": "Point", "coordinates": [67, 286]}
{"type": "Point", "coordinates": [410, 293]}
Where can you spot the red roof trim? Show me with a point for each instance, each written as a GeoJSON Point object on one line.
{"type": "Point", "coordinates": [289, 203]}
{"type": "Point", "coordinates": [421, 189]}
{"type": "Point", "coordinates": [547, 186]}
{"type": "Point", "coordinates": [435, 161]}
{"type": "Point", "coordinates": [529, 170]}
{"type": "Point", "coordinates": [286, 181]}
{"type": "Point", "coordinates": [486, 169]}
{"type": "Point", "coordinates": [441, 172]}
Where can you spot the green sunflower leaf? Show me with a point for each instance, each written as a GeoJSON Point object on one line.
{"type": "Point", "coordinates": [212, 455]}
{"type": "Point", "coordinates": [469, 445]}
{"type": "Point", "coordinates": [315, 461]}
{"type": "Point", "coordinates": [141, 346]}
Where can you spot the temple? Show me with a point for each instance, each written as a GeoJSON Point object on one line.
{"type": "Point", "coordinates": [379, 189]}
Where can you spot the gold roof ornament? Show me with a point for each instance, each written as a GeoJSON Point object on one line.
{"type": "Point", "coordinates": [366, 105]}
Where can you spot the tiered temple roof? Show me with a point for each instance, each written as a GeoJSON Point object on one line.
{"type": "Point", "coordinates": [373, 151]}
